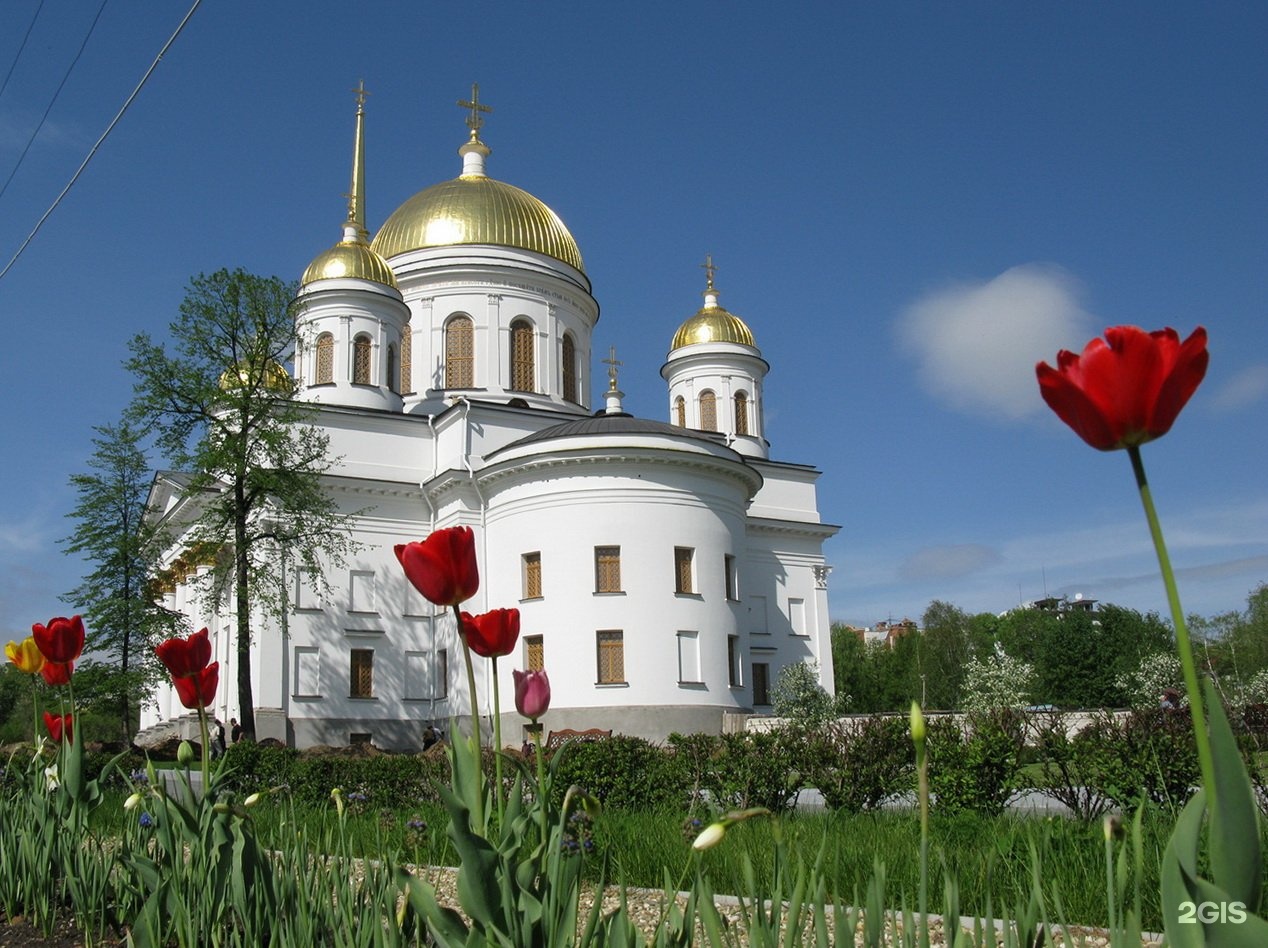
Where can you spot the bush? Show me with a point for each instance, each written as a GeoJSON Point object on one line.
{"type": "Point", "coordinates": [976, 765]}
{"type": "Point", "coordinates": [857, 763]}
{"type": "Point", "coordinates": [624, 773]}
{"type": "Point", "coordinates": [1146, 756]}
{"type": "Point", "coordinates": [1069, 764]}
{"type": "Point", "coordinates": [759, 768]}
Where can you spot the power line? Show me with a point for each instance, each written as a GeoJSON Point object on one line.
{"type": "Point", "coordinates": [109, 128]}
{"type": "Point", "coordinates": [53, 101]}
{"type": "Point", "coordinates": [26, 36]}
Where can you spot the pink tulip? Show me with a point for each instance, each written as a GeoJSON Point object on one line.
{"type": "Point", "coordinates": [532, 694]}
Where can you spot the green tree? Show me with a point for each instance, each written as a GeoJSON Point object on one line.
{"type": "Point", "coordinates": [799, 697]}
{"type": "Point", "coordinates": [946, 650]}
{"type": "Point", "coordinates": [112, 535]}
{"type": "Point", "coordinates": [225, 411]}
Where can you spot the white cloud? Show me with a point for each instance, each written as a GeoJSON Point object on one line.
{"type": "Point", "coordinates": [977, 344]}
{"type": "Point", "coordinates": [1245, 388]}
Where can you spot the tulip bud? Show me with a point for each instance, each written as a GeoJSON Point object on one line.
{"type": "Point", "coordinates": [709, 837]}
{"type": "Point", "coordinates": [917, 724]}
{"type": "Point", "coordinates": [252, 800]}
{"type": "Point", "coordinates": [132, 802]}
{"type": "Point", "coordinates": [185, 754]}
{"type": "Point", "coordinates": [1112, 826]}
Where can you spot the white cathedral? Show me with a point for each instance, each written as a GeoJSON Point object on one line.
{"type": "Point", "coordinates": [665, 570]}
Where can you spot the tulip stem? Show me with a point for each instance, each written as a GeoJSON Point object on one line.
{"type": "Point", "coordinates": [475, 719]}
{"type": "Point", "coordinates": [1183, 644]}
{"type": "Point", "coordinates": [536, 730]}
{"type": "Point", "coordinates": [497, 741]}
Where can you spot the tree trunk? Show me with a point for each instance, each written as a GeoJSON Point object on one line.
{"type": "Point", "coordinates": [246, 698]}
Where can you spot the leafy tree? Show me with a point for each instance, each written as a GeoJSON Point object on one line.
{"type": "Point", "coordinates": [798, 696]}
{"type": "Point", "coordinates": [114, 538]}
{"type": "Point", "coordinates": [224, 411]}
{"type": "Point", "coordinates": [947, 648]}
{"type": "Point", "coordinates": [995, 682]}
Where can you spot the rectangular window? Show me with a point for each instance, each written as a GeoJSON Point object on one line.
{"type": "Point", "coordinates": [611, 653]}
{"type": "Point", "coordinates": [306, 586]}
{"type": "Point", "coordinates": [682, 569]}
{"type": "Point", "coordinates": [761, 683]}
{"type": "Point", "coordinates": [607, 569]}
{"type": "Point", "coordinates": [307, 672]}
{"type": "Point", "coordinates": [731, 578]}
{"type": "Point", "coordinates": [797, 616]}
{"type": "Point", "coordinates": [361, 674]}
{"type": "Point", "coordinates": [733, 660]}
{"type": "Point", "coordinates": [757, 615]}
{"type": "Point", "coordinates": [534, 653]}
{"type": "Point", "coordinates": [361, 591]}
{"type": "Point", "coordinates": [532, 563]}
{"type": "Point", "coordinates": [415, 676]}
{"type": "Point", "coordinates": [441, 689]}
{"type": "Point", "coordinates": [689, 657]}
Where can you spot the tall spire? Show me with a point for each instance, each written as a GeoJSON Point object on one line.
{"type": "Point", "coordinates": [355, 227]}
{"type": "Point", "coordinates": [710, 292]}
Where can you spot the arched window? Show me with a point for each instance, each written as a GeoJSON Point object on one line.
{"type": "Point", "coordinates": [459, 353]}
{"type": "Point", "coordinates": [361, 360]}
{"type": "Point", "coordinates": [680, 412]}
{"type": "Point", "coordinates": [741, 413]}
{"type": "Point", "coordinates": [708, 411]}
{"type": "Point", "coordinates": [568, 356]}
{"type": "Point", "coordinates": [407, 360]}
{"type": "Point", "coordinates": [522, 368]}
{"type": "Point", "coordinates": [325, 368]}
{"type": "Point", "coordinates": [391, 369]}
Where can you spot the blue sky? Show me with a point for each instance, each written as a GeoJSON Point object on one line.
{"type": "Point", "coordinates": [910, 204]}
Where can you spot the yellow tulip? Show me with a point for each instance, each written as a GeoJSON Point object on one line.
{"type": "Point", "coordinates": [26, 655]}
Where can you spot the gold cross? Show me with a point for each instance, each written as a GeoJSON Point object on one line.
{"type": "Point", "coordinates": [709, 270]}
{"type": "Point", "coordinates": [361, 94]}
{"type": "Point", "coordinates": [474, 121]}
{"type": "Point", "coordinates": [612, 362]}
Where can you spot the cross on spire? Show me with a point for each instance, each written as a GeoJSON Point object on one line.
{"type": "Point", "coordinates": [709, 270]}
{"type": "Point", "coordinates": [475, 121]}
{"type": "Point", "coordinates": [612, 362]}
{"type": "Point", "coordinates": [361, 94]}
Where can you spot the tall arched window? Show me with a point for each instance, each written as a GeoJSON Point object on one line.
{"type": "Point", "coordinates": [407, 360]}
{"type": "Point", "coordinates": [680, 412]}
{"type": "Point", "coordinates": [459, 353]}
{"type": "Point", "coordinates": [324, 372]}
{"type": "Point", "coordinates": [568, 356]}
{"type": "Point", "coordinates": [522, 368]}
{"type": "Point", "coordinates": [361, 360]}
{"type": "Point", "coordinates": [391, 369]}
{"type": "Point", "coordinates": [741, 413]}
{"type": "Point", "coordinates": [708, 411]}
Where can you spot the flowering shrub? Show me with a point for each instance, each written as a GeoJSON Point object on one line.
{"type": "Point", "coordinates": [998, 682]}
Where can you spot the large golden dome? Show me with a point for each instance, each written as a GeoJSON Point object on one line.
{"type": "Point", "coordinates": [349, 259]}
{"type": "Point", "coordinates": [476, 209]}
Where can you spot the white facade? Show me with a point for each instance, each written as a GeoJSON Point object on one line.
{"type": "Point", "coordinates": [664, 574]}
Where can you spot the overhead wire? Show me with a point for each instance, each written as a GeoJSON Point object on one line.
{"type": "Point", "coordinates": [109, 128]}
{"type": "Point", "coordinates": [53, 101]}
{"type": "Point", "coordinates": [21, 47]}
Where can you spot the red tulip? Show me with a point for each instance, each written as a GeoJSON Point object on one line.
{"type": "Point", "coordinates": [1126, 389]}
{"type": "Point", "coordinates": [61, 640]}
{"type": "Point", "coordinates": [442, 567]}
{"type": "Point", "coordinates": [199, 689]}
{"type": "Point", "coordinates": [57, 673]}
{"type": "Point", "coordinates": [185, 656]}
{"type": "Point", "coordinates": [493, 633]}
{"type": "Point", "coordinates": [532, 693]}
{"type": "Point", "coordinates": [59, 726]}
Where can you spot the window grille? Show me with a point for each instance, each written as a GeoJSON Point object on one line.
{"type": "Point", "coordinates": [459, 353]}
{"type": "Point", "coordinates": [522, 368]}
{"type": "Point", "coordinates": [325, 359]}
{"type": "Point", "coordinates": [361, 360]}
{"type": "Point", "coordinates": [607, 569]}
{"type": "Point", "coordinates": [568, 356]}
{"type": "Point", "coordinates": [708, 411]}
{"type": "Point", "coordinates": [532, 575]}
{"type": "Point", "coordinates": [680, 412]}
{"type": "Point", "coordinates": [407, 360]}
{"type": "Point", "coordinates": [391, 370]}
{"type": "Point", "coordinates": [534, 653]}
{"type": "Point", "coordinates": [361, 678]}
{"type": "Point", "coordinates": [682, 569]}
{"type": "Point", "coordinates": [741, 413]}
{"type": "Point", "coordinates": [611, 654]}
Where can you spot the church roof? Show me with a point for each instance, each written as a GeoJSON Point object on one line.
{"type": "Point", "coordinates": [604, 425]}
{"type": "Point", "coordinates": [712, 323]}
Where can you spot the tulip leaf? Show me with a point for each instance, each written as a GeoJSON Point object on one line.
{"type": "Point", "coordinates": [1236, 865]}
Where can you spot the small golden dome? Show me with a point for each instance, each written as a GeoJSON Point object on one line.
{"type": "Point", "coordinates": [713, 324]}
{"type": "Point", "coordinates": [276, 378]}
{"type": "Point", "coordinates": [475, 209]}
{"type": "Point", "coordinates": [349, 259]}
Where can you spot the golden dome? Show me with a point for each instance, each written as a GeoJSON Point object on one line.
{"type": "Point", "coordinates": [713, 324]}
{"type": "Point", "coordinates": [276, 378]}
{"type": "Point", "coordinates": [475, 209]}
{"type": "Point", "coordinates": [350, 259]}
